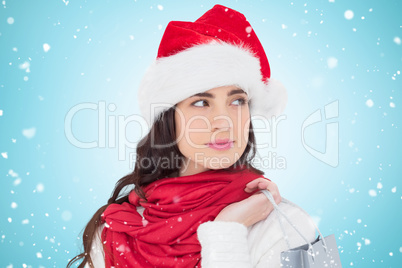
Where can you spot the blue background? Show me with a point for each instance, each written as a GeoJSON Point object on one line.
{"type": "Point", "coordinates": [99, 51]}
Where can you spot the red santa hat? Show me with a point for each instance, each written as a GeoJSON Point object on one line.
{"type": "Point", "coordinates": [218, 49]}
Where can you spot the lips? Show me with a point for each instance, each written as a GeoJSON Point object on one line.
{"type": "Point", "coordinates": [220, 141]}
{"type": "Point", "coordinates": [221, 144]}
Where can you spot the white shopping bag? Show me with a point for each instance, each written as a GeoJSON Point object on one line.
{"type": "Point", "coordinates": [323, 252]}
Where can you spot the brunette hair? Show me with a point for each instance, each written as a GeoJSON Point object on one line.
{"type": "Point", "coordinates": [163, 132]}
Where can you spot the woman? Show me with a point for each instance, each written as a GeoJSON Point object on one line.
{"type": "Point", "coordinates": [210, 77]}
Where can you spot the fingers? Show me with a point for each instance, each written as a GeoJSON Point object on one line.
{"type": "Point", "coordinates": [275, 194]}
{"type": "Point", "coordinates": [248, 211]}
{"type": "Point", "coordinates": [259, 183]}
{"type": "Point", "coordinates": [264, 184]}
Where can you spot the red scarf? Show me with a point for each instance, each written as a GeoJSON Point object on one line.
{"type": "Point", "coordinates": [167, 235]}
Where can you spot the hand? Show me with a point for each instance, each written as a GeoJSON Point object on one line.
{"type": "Point", "coordinates": [254, 208]}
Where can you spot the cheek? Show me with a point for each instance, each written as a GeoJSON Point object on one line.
{"type": "Point", "coordinates": [196, 125]}
{"type": "Point", "coordinates": [244, 125]}
{"type": "Point", "coordinates": [178, 125]}
{"type": "Point", "coordinates": [190, 130]}
{"type": "Point", "coordinates": [196, 121]}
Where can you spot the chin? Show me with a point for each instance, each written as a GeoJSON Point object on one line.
{"type": "Point", "coordinates": [219, 165]}
{"type": "Point", "coordinates": [218, 168]}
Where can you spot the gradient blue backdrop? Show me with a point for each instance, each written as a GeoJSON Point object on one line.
{"type": "Point", "coordinates": [98, 51]}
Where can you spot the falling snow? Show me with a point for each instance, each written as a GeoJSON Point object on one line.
{"type": "Point", "coordinates": [348, 14]}
{"type": "Point", "coordinates": [12, 173]}
{"type": "Point", "coordinates": [369, 103]}
{"type": "Point", "coordinates": [40, 188]}
{"type": "Point", "coordinates": [324, 63]}
{"type": "Point", "coordinates": [46, 47]}
{"type": "Point", "coordinates": [66, 215]}
{"type": "Point", "coordinates": [10, 20]}
{"type": "Point", "coordinates": [25, 66]}
{"type": "Point", "coordinates": [29, 133]}
{"type": "Point", "coordinates": [123, 248]}
{"type": "Point", "coordinates": [332, 62]}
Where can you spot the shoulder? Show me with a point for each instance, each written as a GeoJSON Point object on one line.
{"type": "Point", "coordinates": [97, 254]}
{"type": "Point", "coordinates": [266, 238]}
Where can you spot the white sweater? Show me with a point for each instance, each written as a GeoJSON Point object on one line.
{"type": "Point", "coordinates": [231, 244]}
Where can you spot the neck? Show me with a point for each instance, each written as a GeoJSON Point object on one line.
{"type": "Point", "coordinates": [191, 169]}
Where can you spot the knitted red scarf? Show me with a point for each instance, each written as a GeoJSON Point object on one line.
{"type": "Point", "coordinates": [167, 235]}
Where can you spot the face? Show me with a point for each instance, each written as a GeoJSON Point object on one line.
{"type": "Point", "coordinates": [212, 129]}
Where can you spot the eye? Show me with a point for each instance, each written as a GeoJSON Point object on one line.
{"type": "Point", "coordinates": [241, 101]}
{"type": "Point", "coordinates": [199, 101]}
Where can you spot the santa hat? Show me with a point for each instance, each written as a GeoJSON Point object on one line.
{"type": "Point", "coordinates": [219, 49]}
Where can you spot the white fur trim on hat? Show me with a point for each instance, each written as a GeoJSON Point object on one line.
{"type": "Point", "coordinates": [169, 80]}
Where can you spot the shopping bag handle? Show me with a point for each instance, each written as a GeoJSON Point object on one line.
{"type": "Point", "coordinates": [278, 210]}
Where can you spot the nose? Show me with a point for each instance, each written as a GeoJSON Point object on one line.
{"type": "Point", "coordinates": [220, 124]}
{"type": "Point", "coordinates": [221, 121]}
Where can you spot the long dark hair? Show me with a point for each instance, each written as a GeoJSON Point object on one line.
{"type": "Point", "coordinates": [162, 133]}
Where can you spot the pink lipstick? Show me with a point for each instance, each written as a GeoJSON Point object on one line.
{"type": "Point", "coordinates": [221, 144]}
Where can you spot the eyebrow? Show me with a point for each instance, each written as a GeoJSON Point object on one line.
{"type": "Point", "coordinates": [209, 95]}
